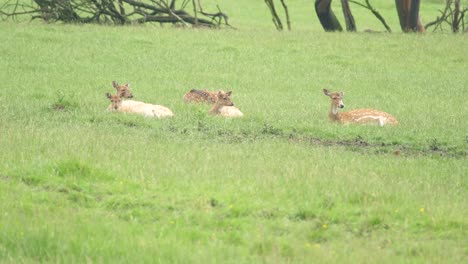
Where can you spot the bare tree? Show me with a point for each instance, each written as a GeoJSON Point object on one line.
{"type": "Point", "coordinates": [330, 22]}
{"type": "Point", "coordinates": [452, 15]}
{"type": "Point", "coordinates": [114, 12]}
{"type": "Point", "coordinates": [408, 13]}
{"type": "Point", "coordinates": [456, 14]}
{"type": "Point", "coordinates": [275, 18]}
{"type": "Point", "coordinates": [326, 16]}
{"type": "Point", "coordinates": [349, 19]}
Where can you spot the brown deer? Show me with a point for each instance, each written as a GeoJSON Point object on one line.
{"type": "Point", "coordinates": [201, 96]}
{"type": "Point", "coordinates": [357, 116]}
{"type": "Point", "coordinates": [122, 90]}
{"type": "Point", "coordinates": [224, 106]}
{"type": "Point", "coordinates": [130, 106]}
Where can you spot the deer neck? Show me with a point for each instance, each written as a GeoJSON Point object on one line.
{"type": "Point", "coordinates": [215, 109]}
{"type": "Point", "coordinates": [334, 115]}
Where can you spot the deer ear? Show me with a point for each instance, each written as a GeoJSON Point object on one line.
{"type": "Point", "coordinates": [219, 94]}
{"type": "Point", "coordinates": [108, 95]}
{"type": "Point", "coordinates": [326, 92]}
{"type": "Point", "coordinates": [229, 93]}
{"type": "Point", "coordinates": [114, 83]}
{"type": "Point", "coordinates": [342, 93]}
{"type": "Point", "coordinates": [127, 85]}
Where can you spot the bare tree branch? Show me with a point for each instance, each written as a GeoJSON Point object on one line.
{"type": "Point", "coordinates": [288, 21]}
{"type": "Point", "coordinates": [374, 11]}
{"type": "Point", "coordinates": [113, 11]}
{"type": "Point", "coordinates": [453, 17]}
{"type": "Point", "coordinates": [275, 18]}
{"type": "Point", "coordinates": [219, 16]}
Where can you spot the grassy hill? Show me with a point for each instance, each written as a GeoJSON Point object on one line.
{"type": "Point", "coordinates": [282, 184]}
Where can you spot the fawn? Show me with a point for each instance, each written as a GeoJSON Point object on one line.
{"type": "Point", "coordinates": [357, 116]}
{"type": "Point", "coordinates": [122, 90]}
{"type": "Point", "coordinates": [130, 106]}
{"type": "Point", "coordinates": [200, 96]}
{"type": "Point", "coordinates": [224, 106]}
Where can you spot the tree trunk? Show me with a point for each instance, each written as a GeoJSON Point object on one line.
{"type": "Point", "coordinates": [326, 16]}
{"type": "Point", "coordinates": [456, 14]}
{"type": "Point", "coordinates": [350, 23]}
{"type": "Point", "coordinates": [275, 18]}
{"type": "Point", "coordinates": [408, 13]}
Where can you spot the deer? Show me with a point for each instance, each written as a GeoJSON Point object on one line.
{"type": "Point", "coordinates": [357, 116]}
{"type": "Point", "coordinates": [130, 106]}
{"type": "Point", "coordinates": [224, 106]}
{"type": "Point", "coordinates": [201, 96]}
{"type": "Point", "coordinates": [122, 90]}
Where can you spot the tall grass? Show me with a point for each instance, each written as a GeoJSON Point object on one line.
{"type": "Point", "coordinates": [282, 184]}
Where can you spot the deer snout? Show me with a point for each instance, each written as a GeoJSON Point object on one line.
{"type": "Point", "coordinates": [341, 106]}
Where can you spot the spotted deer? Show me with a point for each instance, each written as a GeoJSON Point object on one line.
{"type": "Point", "coordinates": [130, 106]}
{"type": "Point", "coordinates": [224, 106]}
{"type": "Point", "coordinates": [201, 96]}
{"type": "Point", "coordinates": [122, 90]}
{"type": "Point", "coordinates": [357, 116]}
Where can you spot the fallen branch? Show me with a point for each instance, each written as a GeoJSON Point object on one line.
{"type": "Point", "coordinates": [114, 11]}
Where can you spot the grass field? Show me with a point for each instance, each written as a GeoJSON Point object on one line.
{"type": "Point", "coordinates": [281, 185]}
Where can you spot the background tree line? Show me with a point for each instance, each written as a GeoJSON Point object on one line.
{"type": "Point", "coordinates": [191, 12]}
{"type": "Point", "coordinates": [407, 10]}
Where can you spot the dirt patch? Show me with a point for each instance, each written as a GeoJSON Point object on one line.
{"type": "Point", "coordinates": [58, 107]}
{"type": "Point", "coordinates": [431, 147]}
{"type": "Point", "coordinates": [361, 145]}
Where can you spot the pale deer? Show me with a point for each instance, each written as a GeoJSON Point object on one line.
{"type": "Point", "coordinates": [200, 96]}
{"type": "Point", "coordinates": [122, 90]}
{"type": "Point", "coordinates": [357, 116]}
{"type": "Point", "coordinates": [130, 106]}
{"type": "Point", "coordinates": [224, 106]}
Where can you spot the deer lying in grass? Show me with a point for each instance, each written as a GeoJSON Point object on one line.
{"type": "Point", "coordinates": [122, 90]}
{"type": "Point", "coordinates": [201, 96]}
{"type": "Point", "coordinates": [130, 106]}
{"type": "Point", "coordinates": [224, 106]}
{"type": "Point", "coordinates": [357, 116]}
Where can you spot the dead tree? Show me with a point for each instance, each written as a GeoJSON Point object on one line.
{"type": "Point", "coordinates": [408, 13]}
{"type": "Point", "coordinates": [275, 18]}
{"type": "Point", "coordinates": [326, 16]}
{"type": "Point", "coordinates": [456, 14]}
{"type": "Point", "coordinates": [452, 15]}
{"type": "Point", "coordinates": [120, 12]}
{"type": "Point", "coordinates": [349, 19]}
{"type": "Point", "coordinates": [288, 21]}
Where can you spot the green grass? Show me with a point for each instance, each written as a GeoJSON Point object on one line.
{"type": "Point", "coordinates": [282, 184]}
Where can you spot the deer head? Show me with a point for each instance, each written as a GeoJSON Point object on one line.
{"type": "Point", "coordinates": [115, 100]}
{"type": "Point", "coordinates": [224, 99]}
{"type": "Point", "coordinates": [123, 90]}
{"type": "Point", "coordinates": [336, 99]}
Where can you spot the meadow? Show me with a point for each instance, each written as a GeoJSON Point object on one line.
{"type": "Point", "coordinates": [280, 185]}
